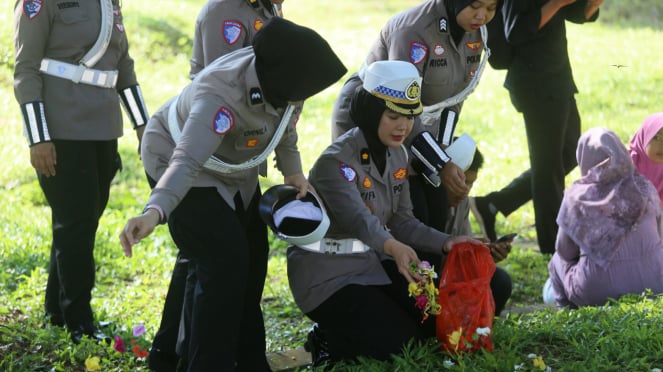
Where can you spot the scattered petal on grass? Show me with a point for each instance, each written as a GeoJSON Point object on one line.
{"type": "Point", "coordinates": [119, 345]}
{"type": "Point", "coordinates": [518, 367]}
{"type": "Point", "coordinates": [454, 337]}
{"type": "Point", "coordinates": [448, 363]}
{"type": "Point", "coordinates": [655, 370]}
{"type": "Point", "coordinates": [139, 330]}
{"type": "Point", "coordinates": [92, 364]}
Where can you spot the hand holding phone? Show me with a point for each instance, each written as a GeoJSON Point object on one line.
{"type": "Point", "coordinates": [506, 238]}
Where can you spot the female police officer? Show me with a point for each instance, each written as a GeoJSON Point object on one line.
{"type": "Point", "coordinates": [359, 300]}
{"type": "Point", "coordinates": [222, 26]}
{"type": "Point", "coordinates": [72, 68]}
{"type": "Point", "coordinates": [443, 39]}
{"type": "Point", "coordinates": [208, 181]}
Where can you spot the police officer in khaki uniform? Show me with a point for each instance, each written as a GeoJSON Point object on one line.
{"type": "Point", "coordinates": [72, 71]}
{"type": "Point", "coordinates": [442, 38]}
{"type": "Point", "coordinates": [203, 148]}
{"type": "Point", "coordinates": [222, 26]}
{"type": "Point", "coordinates": [360, 300]}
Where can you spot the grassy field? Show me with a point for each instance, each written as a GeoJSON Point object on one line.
{"type": "Point", "coordinates": [130, 292]}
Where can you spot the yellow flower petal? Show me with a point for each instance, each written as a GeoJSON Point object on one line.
{"type": "Point", "coordinates": [92, 364]}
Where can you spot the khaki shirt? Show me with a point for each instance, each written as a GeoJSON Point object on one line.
{"type": "Point", "coordinates": [221, 112]}
{"type": "Point", "coordinates": [361, 204]}
{"type": "Point", "coordinates": [65, 30]}
{"type": "Point", "coordinates": [421, 36]}
{"type": "Point", "coordinates": [224, 26]}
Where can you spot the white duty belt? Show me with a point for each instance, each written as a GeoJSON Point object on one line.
{"type": "Point", "coordinates": [218, 165]}
{"type": "Point", "coordinates": [79, 73]}
{"type": "Point", "coordinates": [83, 72]}
{"type": "Point", "coordinates": [337, 246]}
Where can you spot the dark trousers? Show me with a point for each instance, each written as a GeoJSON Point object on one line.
{"type": "Point", "coordinates": [429, 204]}
{"type": "Point", "coordinates": [553, 129]}
{"type": "Point", "coordinates": [227, 250]}
{"type": "Point", "coordinates": [77, 195]}
{"type": "Point", "coordinates": [373, 321]}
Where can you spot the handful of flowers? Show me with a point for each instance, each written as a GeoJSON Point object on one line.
{"type": "Point", "coordinates": [424, 291]}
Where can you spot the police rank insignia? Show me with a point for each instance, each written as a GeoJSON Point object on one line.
{"type": "Point", "coordinates": [223, 120]}
{"type": "Point", "coordinates": [367, 183]}
{"type": "Point", "coordinates": [31, 8]}
{"type": "Point", "coordinates": [418, 52]}
{"type": "Point", "coordinates": [444, 28]}
{"type": "Point", "coordinates": [364, 157]}
{"type": "Point", "coordinates": [347, 172]}
{"type": "Point", "coordinates": [400, 174]}
{"type": "Point", "coordinates": [232, 30]}
{"type": "Point", "coordinates": [255, 95]}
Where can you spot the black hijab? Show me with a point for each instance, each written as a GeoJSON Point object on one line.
{"type": "Point", "coordinates": [453, 8]}
{"type": "Point", "coordinates": [366, 111]}
{"type": "Point", "coordinates": [293, 62]}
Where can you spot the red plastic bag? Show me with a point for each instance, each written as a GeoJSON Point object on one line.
{"type": "Point", "coordinates": [466, 321]}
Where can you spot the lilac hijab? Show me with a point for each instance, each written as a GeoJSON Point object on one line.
{"type": "Point", "coordinates": [601, 207]}
{"type": "Point", "coordinates": [653, 171]}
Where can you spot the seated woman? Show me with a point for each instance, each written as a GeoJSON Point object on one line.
{"type": "Point", "coordinates": [609, 241]}
{"type": "Point", "coordinates": [646, 149]}
{"type": "Point", "coordinates": [360, 300]}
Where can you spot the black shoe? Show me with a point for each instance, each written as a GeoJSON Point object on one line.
{"type": "Point", "coordinates": [162, 361]}
{"type": "Point", "coordinates": [89, 330]}
{"type": "Point", "coordinates": [484, 217]}
{"type": "Point", "coordinates": [316, 344]}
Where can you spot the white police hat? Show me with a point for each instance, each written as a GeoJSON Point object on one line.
{"type": "Point", "coordinates": [462, 151]}
{"type": "Point", "coordinates": [396, 82]}
{"type": "Point", "coordinates": [296, 221]}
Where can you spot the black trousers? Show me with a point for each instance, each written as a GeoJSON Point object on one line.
{"type": "Point", "coordinates": [553, 130]}
{"type": "Point", "coordinates": [429, 204]}
{"type": "Point", "coordinates": [77, 195]}
{"type": "Point", "coordinates": [372, 321]}
{"type": "Point", "coordinates": [227, 250]}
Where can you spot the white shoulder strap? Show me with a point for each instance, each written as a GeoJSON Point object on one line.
{"type": "Point", "coordinates": [218, 165]}
{"type": "Point", "coordinates": [99, 48]}
{"type": "Point", "coordinates": [434, 110]}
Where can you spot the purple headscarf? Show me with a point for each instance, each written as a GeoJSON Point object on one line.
{"type": "Point", "coordinates": [653, 171]}
{"type": "Point", "coordinates": [601, 207]}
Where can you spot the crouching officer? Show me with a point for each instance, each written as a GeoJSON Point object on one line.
{"type": "Point", "coordinates": [203, 148]}
{"type": "Point", "coordinates": [72, 71]}
{"type": "Point", "coordinates": [222, 26]}
{"type": "Point", "coordinates": [363, 262]}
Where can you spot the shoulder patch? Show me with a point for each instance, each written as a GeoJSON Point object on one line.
{"type": "Point", "coordinates": [347, 172]}
{"type": "Point", "coordinates": [473, 45]}
{"type": "Point", "coordinates": [418, 52]}
{"type": "Point", "coordinates": [31, 8]}
{"type": "Point", "coordinates": [232, 30]}
{"type": "Point", "coordinates": [223, 120]}
{"type": "Point", "coordinates": [400, 174]}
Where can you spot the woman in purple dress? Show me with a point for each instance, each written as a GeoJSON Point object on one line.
{"type": "Point", "coordinates": [609, 241]}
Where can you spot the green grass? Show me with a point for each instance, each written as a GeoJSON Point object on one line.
{"type": "Point", "coordinates": [622, 336]}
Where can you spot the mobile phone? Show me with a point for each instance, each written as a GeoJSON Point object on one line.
{"type": "Point", "coordinates": [506, 238]}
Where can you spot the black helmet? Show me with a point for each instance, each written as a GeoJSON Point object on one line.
{"type": "Point", "coordinates": [297, 221]}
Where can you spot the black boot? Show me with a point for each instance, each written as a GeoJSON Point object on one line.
{"type": "Point", "coordinates": [89, 330]}
{"type": "Point", "coordinates": [316, 344]}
